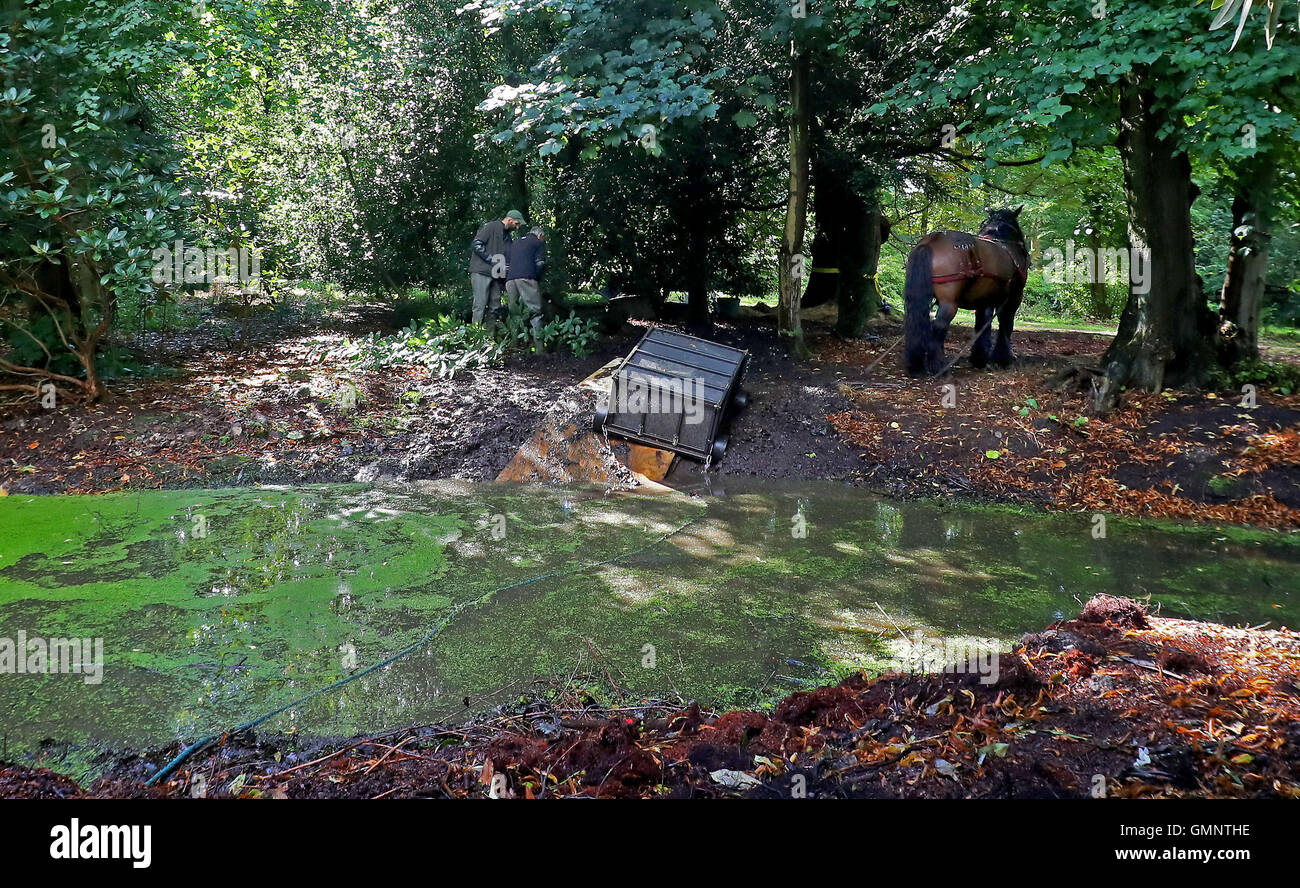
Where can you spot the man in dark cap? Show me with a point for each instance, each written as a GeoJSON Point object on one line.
{"type": "Point", "coordinates": [487, 263]}
{"type": "Point", "coordinates": [527, 261]}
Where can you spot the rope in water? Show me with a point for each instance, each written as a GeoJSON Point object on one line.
{"type": "Point", "coordinates": [203, 743]}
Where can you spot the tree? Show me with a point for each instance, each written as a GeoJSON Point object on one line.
{"type": "Point", "coordinates": [639, 91]}
{"type": "Point", "coordinates": [1154, 79]}
{"type": "Point", "coordinates": [791, 261]}
{"type": "Point", "coordinates": [1260, 187]}
{"type": "Point", "coordinates": [88, 188]}
{"type": "Point", "coordinates": [863, 49]}
{"type": "Point", "coordinates": [1229, 8]}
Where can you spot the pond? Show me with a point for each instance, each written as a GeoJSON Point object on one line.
{"type": "Point", "coordinates": [217, 606]}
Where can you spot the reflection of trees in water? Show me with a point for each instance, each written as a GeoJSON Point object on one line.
{"type": "Point", "coordinates": [923, 528]}
{"type": "Point", "coordinates": [889, 521]}
{"type": "Point", "coordinates": [299, 578]}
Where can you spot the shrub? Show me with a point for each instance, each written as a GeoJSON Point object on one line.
{"type": "Point", "coordinates": [442, 344]}
{"type": "Point", "coordinates": [572, 334]}
{"type": "Point", "coordinates": [1282, 378]}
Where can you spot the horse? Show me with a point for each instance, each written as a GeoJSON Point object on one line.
{"type": "Point", "coordinates": [985, 272]}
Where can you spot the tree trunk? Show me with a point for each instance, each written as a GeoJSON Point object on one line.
{"type": "Point", "coordinates": [1165, 334]}
{"type": "Point", "coordinates": [89, 329]}
{"type": "Point", "coordinates": [793, 264]}
{"type": "Point", "coordinates": [846, 248]}
{"type": "Point", "coordinates": [520, 199]}
{"type": "Point", "coordinates": [860, 258]}
{"type": "Point", "coordinates": [562, 270]}
{"type": "Point", "coordinates": [1243, 284]}
{"type": "Point", "coordinates": [824, 270]}
{"type": "Point", "coordinates": [697, 275]}
{"type": "Point", "coordinates": [1099, 301]}
{"type": "Point", "coordinates": [697, 270]}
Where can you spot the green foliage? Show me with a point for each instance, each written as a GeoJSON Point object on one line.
{"type": "Point", "coordinates": [573, 334]}
{"type": "Point", "coordinates": [359, 146]}
{"type": "Point", "coordinates": [34, 342]}
{"type": "Point", "coordinates": [1227, 9]}
{"type": "Point", "coordinates": [1281, 377]}
{"type": "Point", "coordinates": [615, 74]}
{"type": "Point", "coordinates": [344, 138]}
{"type": "Point", "coordinates": [419, 305]}
{"type": "Point", "coordinates": [443, 345]}
{"type": "Point", "coordinates": [1070, 300]}
{"type": "Point", "coordinates": [1057, 67]}
{"type": "Point", "coordinates": [87, 190]}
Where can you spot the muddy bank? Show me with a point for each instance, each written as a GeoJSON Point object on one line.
{"type": "Point", "coordinates": [274, 408]}
{"type": "Point", "coordinates": [1117, 701]}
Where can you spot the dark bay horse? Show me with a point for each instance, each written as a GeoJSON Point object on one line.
{"type": "Point", "coordinates": [984, 272]}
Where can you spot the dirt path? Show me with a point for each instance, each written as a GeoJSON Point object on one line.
{"type": "Point", "coordinates": [1008, 436]}
{"type": "Point", "coordinates": [281, 410]}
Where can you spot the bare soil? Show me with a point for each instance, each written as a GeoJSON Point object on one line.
{"type": "Point", "coordinates": [272, 407]}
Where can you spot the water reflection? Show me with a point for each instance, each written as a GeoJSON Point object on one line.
{"type": "Point", "coordinates": [775, 587]}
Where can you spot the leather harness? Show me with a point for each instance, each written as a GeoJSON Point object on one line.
{"type": "Point", "coordinates": [977, 270]}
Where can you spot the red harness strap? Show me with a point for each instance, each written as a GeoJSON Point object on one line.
{"type": "Point", "coordinates": [960, 276]}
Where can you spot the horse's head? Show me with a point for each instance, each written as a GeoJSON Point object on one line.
{"type": "Point", "coordinates": [1004, 225]}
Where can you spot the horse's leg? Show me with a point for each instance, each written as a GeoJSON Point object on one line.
{"type": "Point", "coordinates": [1002, 355]}
{"type": "Point", "coordinates": [979, 352]}
{"type": "Point", "coordinates": [942, 321]}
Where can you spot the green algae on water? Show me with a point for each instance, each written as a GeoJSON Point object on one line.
{"type": "Point", "coordinates": [218, 606]}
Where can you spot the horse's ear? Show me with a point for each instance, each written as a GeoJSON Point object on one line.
{"type": "Point", "coordinates": [1018, 211]}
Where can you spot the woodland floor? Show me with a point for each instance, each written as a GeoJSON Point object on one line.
{"type": "Point", "coordinates": [266, 407]}
{"type": "Point", "coordinates": [1116, 702]}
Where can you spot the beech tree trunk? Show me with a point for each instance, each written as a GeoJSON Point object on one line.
{"type": "Point", "coordinates": [793, 264]}
{"type": "Point", "coordinates": [846, 248]}
{"type": "Point", "coordinates": [1243, 284]}
{"type": "Point", "coordinates": [859, 296]}
{"type": "Point", "coordinates": [823, 282]}
{"type": "Point", "coordinates": [1166, 334]}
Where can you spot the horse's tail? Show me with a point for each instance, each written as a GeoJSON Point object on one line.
{"type": "Point", "coordinates": [918, 293]}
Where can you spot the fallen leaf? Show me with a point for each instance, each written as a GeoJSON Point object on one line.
{"type": "Point", "coordinates": [734, 779]}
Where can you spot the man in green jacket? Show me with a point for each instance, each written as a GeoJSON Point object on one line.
{"type": "Point", "coordinates": [487, 263]}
